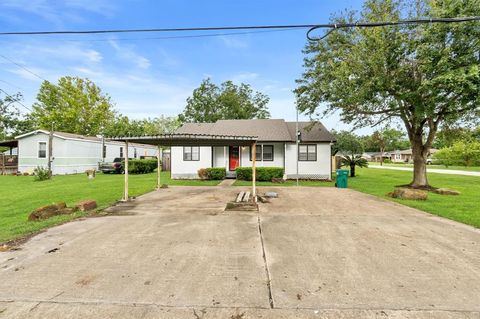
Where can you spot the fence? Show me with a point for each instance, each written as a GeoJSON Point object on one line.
{"type": "Point", "coordinates": [8, 164]}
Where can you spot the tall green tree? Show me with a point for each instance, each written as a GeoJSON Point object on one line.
{"type": "Point", "coordinates": [228, 101]}
{"type": "Point", "coordinates": [350, 146]}
{"type": "Point", "coordinates": [123, 126]}
{"type": "Point", "coordinates": [387, 139]}
{"type": "Point", "coordinates": [423, 76]}
{"type": "Point", "coordinates": [73, 105]}
{"type": "Point", "coordinates": [12, 122]}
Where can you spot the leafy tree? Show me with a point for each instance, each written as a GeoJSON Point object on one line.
{"type": "Point", "coordinates": [347, 143]}
{"type": "Point", "coordinates": [210, 103]}
{"type": "Point", "coordinates": [12, 123]}
{"type": "Point", "coordinates": [463, 153]}
{"type": "Point", "coordinates": [351, 149]}
{"type": "Point", "coordinates": [123, 126]}
{"type": "Point", "coordinates": [387, 139]}
{"type": "Point", "coordinates": [449, 135]}
{"type": "Point", "coordinates": [424, 76]}
{"type": "Point", "coordinates": [73, 105]}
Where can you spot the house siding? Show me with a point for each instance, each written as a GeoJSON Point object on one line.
{"type": "Point", "coordinates": [181, 169]}
{"type": "Point", "coordinates": [71, 156]}
{"type": "Point", "coordinates": [319, 169]}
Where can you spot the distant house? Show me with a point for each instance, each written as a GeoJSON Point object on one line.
{"type": "Point", "coordinates": [276, 147]}
{"type": "Point", "coordinates": [405, 156]}
{"type": "Point", "coordinates": [71, 153]}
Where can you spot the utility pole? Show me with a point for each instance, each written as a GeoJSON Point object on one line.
{"type": "Point", "coordinates": [297, 133]}
{"type": "Point", "coordinates": [50, 150]}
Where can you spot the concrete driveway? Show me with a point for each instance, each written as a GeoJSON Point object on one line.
{"type": "Point", "coordinates": [311, 253]}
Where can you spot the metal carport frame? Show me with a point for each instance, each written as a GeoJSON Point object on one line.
{"type": "Point", "coordinates": [188, 140]}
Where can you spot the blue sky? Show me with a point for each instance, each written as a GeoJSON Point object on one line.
{"type": "Point", "coordinates": [150, 77]}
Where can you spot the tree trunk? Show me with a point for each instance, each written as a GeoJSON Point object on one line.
{"type": "Point", "coordinates": [352, 170]}
{"type": "Point", "coordinates": [419, 154]}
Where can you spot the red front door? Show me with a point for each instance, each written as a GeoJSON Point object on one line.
{"type": "Point", "coordinates": [233, 157]}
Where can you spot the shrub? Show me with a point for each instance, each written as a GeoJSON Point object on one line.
{"type": "Point", "coordinates": [216, 173]}
{"type": "Point", "coordinates": [463, 153]}
{"type": "Point", "coordinates": [202, 173]}
{"type": "Point", "coordinates": [265, 174]}
{"type": "Point", "coordinates": [142, 166]}
{"type": "Point", "coordinates": [41, 173]}
{"type": "Point", "coordinates": [387, 161]}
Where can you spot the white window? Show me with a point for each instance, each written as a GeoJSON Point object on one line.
{"type": "Point", "coordinates": [307, 152]}
{"type": "Point", "coordinates": [42, 150]}
{"type": "Point", "coordinates": [121, 152]}
{"type": "Point", "coordinates": [191, 153]}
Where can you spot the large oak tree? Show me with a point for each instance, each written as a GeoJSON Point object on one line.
{"type": "Point", "coordinates": [210, 103]}
{"type": "Point", "coordinates": [424, 76]}
{"type": "Point", "coordinates": [73, 105]}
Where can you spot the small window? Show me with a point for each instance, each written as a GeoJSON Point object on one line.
{"type": "Point", "coordinates": [264, 153]}
{"type": "Point", "coordinates": [42, 150]}
{"type": "Point", "coordinates": [104, 152]}
{"type": "Point", "coordinates": [267, 153]}
{"type": "Point", "coordinates": [121, 152]}
{"type": "Point", "coordinates": [191, 153]}
{"type": "Point", "coordinates": [307, 152]}
{"type": "Point", "coordinates": [258, 151]}
{"type": "Point", "coordinates": [134, 153]}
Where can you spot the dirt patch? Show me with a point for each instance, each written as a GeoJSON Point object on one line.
{"type": "Point", "coordinates": [85, 281]}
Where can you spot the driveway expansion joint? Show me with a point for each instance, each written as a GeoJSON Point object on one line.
{"type": "Point", "coordinates": [267, 272]}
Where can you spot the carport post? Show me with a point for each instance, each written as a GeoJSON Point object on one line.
{"type": "Point", "coordinates": [159, 166]}
{"type": "Point", "coordinates": [125, 191]}
{"type": "Point", "coordinates": [254, 171]}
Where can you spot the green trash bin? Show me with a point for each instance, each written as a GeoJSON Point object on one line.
{"type": "Point", "coordinates": [342, 177]}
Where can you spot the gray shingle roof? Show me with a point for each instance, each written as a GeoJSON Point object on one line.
{"type": "Point", "coordinates": [268, 130]}
{"type": "Point", "coordinates": [311, 132]}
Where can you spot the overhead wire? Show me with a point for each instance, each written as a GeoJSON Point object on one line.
{"type": "Point", "coordinates": [23, 67]}
{"type": "Point", "coordinates": [15, 101]}
{"type": "Point", "coordinates": [311, 27]}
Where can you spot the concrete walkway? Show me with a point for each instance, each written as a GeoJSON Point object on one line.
{"type": "Point", "coordinates": [430, 170]}
{"type": "Point", "coordinates": [311, 253]}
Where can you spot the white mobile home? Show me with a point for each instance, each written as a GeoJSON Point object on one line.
{"type": "Point", "coordinates": [72, 153]}
{"type": "Point", "coordinates": [276, 147]}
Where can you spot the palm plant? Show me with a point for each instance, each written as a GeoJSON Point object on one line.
{"type": "Point", "coordinates": [353, 161]}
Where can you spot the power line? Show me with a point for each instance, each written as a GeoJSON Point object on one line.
{"type": "Point", "coordinates": [11, 84]}
{"type": "Point", "coordinates": [181, 36]}
{"type": "Point", "coordinates": [23, 67]}
{"type": "Point", "coordinates": [16, 101]}
{"type": "Point", "coordinates": [311, 27]}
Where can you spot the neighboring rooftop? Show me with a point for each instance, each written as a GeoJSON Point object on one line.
{"type": "Point", "coordinates": [271, 130]}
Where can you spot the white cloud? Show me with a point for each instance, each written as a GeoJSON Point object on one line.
{"type": "Point", "coordinates": [234, 42]}
{"type": "Point", "coordinates": [127, 53]}
{"type": "Point", "coordinates": [57, 12]}
{"type": "Point", "coordinates": [244, 77]}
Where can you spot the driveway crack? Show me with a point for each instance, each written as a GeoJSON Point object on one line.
{"type": "Point", "coordinates": [267, 272]}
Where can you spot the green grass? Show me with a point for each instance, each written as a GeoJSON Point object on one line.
{"type": "Point", "coordinates": [459, 168]}
{"type": "Point", "coordinates": [21, 194]}
{"type": "Point", "coordinates": [463, 208]}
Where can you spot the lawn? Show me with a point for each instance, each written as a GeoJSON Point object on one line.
{"type": "Point", "coordinates": [459, 168]}
{"type": "Point", "coordinates": [463, 208]}
{"type": "Point", "coordinates": [21, 194]}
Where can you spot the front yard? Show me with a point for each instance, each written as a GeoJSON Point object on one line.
{"type": "Point", "coordinates": [21, 194]}
{"type": "Point", "coordinates": [463, 208]}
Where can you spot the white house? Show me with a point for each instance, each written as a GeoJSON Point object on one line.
{"type": "Point", "coordinates": [72, 153]}
{"type": "Point", "coordinates": [276, 147]}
